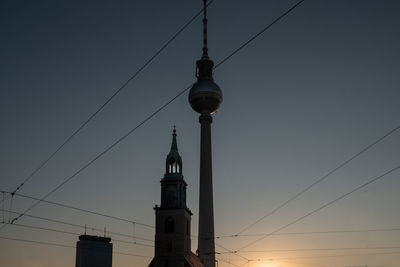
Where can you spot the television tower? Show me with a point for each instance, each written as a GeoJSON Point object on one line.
{"type": "Point", "coordinates": [205, 97]}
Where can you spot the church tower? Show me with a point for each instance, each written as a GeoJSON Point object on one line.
{"type": "Point", "coordinates": [173, 217]}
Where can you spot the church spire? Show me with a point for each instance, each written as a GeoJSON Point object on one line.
{"type": "Point", "coordinates": [173, 166]}
{"type": "Point", "coordinates": [173, 186]}
{"type": "Point", "coordinates": [174, 145]}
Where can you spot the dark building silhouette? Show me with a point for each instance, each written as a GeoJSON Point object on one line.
{"type": "Point", "coordinates": [205, 97]}
{"type": "Point", "coordinates": [173, 218]}
{"type": "Point", "coordinates": [93, 251]}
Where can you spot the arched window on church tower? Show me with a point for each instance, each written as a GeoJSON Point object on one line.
{"type": "Point", "coordinates": [169, 225]}
{"type": "Point", "coordinates": [173, 167]}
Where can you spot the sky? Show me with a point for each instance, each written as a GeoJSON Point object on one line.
{"type": "Point", "coordinates": [308, 94]}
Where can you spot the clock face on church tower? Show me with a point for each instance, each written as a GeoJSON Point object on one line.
{"type": "Point", "coordinates": [171, 188]}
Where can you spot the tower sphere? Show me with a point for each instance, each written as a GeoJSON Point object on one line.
{"type": "Point", "coordinates": [205, 96]}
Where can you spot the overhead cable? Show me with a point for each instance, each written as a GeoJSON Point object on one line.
{"type": "Point", "coordinates": [322, 207]}
{"type": "Point", "coordinates": [145, 120]}
{"type": "Point", "coordinates": [65, 246]}
{"type": "Point", "coordinates": [163, 47]}
{"type": "Point", "coordinates": [319, 180]}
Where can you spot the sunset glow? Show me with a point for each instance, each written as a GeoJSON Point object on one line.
{"type": "Point", "coordinates": [115, 115]}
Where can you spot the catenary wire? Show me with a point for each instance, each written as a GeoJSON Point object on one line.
{"type": "Point", "coordinates": [100, 214]}
{"type": "Point", "coordinates": [315, 232]}
{"type": "Point", "coordinates": [90, 212]}
{"type": "Point", "coordinates": [259, 33]}
{"type": "Point", "coordinates": [295, 263]}
{"type": "Point", "coordinates": [319, 180]}
{"type": "Point", "coordinates": [65, 246]}
{"type": "Point", "coordinates": [97, 157]}
{"type": "Point", "coordinates": [77, 234]}
{"type": "Point", "coordinates": [272, 259]}
{"type": "Point", "coordinates": [217, 237]}
{"type": "Point", "coordinates": [228, 262]}
{"type": "Point", "coordinates": [323, 206]}
{"type": "Point", "coordinates": [340, 255]}
{"type": "Point", "coordinates": [318, 249]}
{"type": "Point", "coordinates": [146, 119]}
{"type": "Point", "coordinates": [163, 47]}
{"type": "Point", "coordinates": [92, 228]}
{"type": "Point", "coordinates": [119, 140]}
{"type": "Point", "coordinates": [286, 250]}
{"type": "Point", "coordinates": [82, 210]}
{"type": "Point", "coordinates": [83, 227]}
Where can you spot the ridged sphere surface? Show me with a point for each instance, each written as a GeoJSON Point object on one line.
{"type": "Point", "coordinates": [205, 96]}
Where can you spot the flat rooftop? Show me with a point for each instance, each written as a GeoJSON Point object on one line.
{"type": "Point", "coordinates": [95, 238]}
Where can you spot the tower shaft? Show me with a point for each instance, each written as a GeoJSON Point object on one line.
{"type": "Point", "coordinates": [206, 246]}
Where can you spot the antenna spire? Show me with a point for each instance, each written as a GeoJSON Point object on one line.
{"type": "Point", "coordinates": [205, 48]}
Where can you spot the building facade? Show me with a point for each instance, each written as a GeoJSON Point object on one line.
{"type": "Point", "coordinates": [94, 251]}
{"type": "Point", "coordinates": [173, 218]}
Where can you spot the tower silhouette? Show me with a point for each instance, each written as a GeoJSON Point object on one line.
{"type": "Point", "coordinates": [205, 97]}
{"type": "Point", "coordinates": [173, 217]}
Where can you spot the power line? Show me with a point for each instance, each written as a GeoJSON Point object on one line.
{"type": "Point", "coordinates": [322, 207]}
{"type": "Point", "coordinates": [315, 232]}
{"type": "Point", "coordinates": [92, 228]}
{"type": "Point", "coordinates": [153, 114]}
{"type": "Point", "coordinates": [228, 262]}
{"type": "Point", "coordinates": [87, 211]}
{"type": "Point", "coordinates": [230, 251]}
{"type": "Point", "coordinates": [99, 155]}
{"type": "Point", "coordinates": [83, 227]}
{"type": "Point", "coordinates": [163, 47]}
{"type": "Point", "coordinates": [95, 213]}
{"type": "Point", "coordinates": [341, 255]}
{"type": "Point", "coordinates": [82, 210]}
{"type": "Point", "coordinates": [271, 259]}
{"type": "Point", "coordinates": [78, 234]}
{"type": "Point", "coordinates": [65, 246]}
{"type": "Point", "coordinates": [315, 249]}
{"type": "Point", "coordinates": [218, 237]}
{"type": "Point", "coordinates": [322, 249]}
{"type": "Point", "coordinates": [91, 212]}
{"type": "Point", "coordinates": [259, 33]}
{"type": "Point", "coordinates": [146, 119]}
{"type": "Point", "coordinates": [321, 179]}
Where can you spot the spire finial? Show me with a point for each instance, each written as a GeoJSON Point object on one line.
{"type": "Point", "coordinates": [173, 162]}
{"type": "Point", "coordinates": [205, 48]}
{"type": "Point", "coordinates": [174, 145]}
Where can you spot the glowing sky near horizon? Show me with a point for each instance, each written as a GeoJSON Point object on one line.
{"type": "Point", "coordinates": [312, 91]}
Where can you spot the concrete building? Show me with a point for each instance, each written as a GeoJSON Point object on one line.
{"type": "Point", "coordinates": [94, 251]}
{"type": "Point", "coordinates": [173, 218]}
{"type": "Point", "coordinates": [205, 97]}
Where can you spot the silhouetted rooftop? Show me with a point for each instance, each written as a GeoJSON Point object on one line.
{"type": "Point", "coordinates": [95, 238]}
